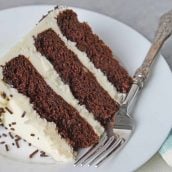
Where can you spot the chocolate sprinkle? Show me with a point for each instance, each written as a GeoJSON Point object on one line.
{"type": "Point", "coordinates": [17, 136]}
{"type": "Point", "coordinates": [3, 94]}
{"type": "Point", "coordinates": [23, 114]}
{"type": "Point", "coordinates": [11, 95]}
{"type": "Point", "coordinates": [34, 153]}
{"type": "Point", "coordinates": [17, 142]}
{"type": "Point", "coordinates": [13, 123]}
{"type": "Point", "coordinates": [2, 142]}
{"type": "Point", "coordinates": [8, 110]}
{"type": "Point", "coordinates": [12, 129]}
{"type": "Point", "coordinates": [32, 134]}
{"type": "Point", "coordinates": [10, 134]}
{"type": "Point", "coordinates": [56, 7]}
{"type": "Point", "coordinates": [6, 147]}
{"type": "Point", "coordinates": [43, 154]}
{"type": "Point", "coordinates": [13, 144]}
{"type": "Point", "coordinates": [4, 135]}
{"type": "Point", "coordinates": [2, 110]}
{"type": "Point", "coordinates": [30, 144]}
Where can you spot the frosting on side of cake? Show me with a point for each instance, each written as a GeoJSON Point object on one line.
{"type": "Point", "coordinates": [28, 123]}
{"type": "Point", "coordinates": [97, 51]}
{"type": "Point", "coordinates": [81, 81]}
{"type": "Point", "coordinates": [21, 74]}
{"type": "Point", "coordinates": [44, 67]}
{"type": "Point", "coordinates": [50, 22]}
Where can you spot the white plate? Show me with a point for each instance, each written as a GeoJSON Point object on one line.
{"type": "Point", "coordinates": [153, 113]}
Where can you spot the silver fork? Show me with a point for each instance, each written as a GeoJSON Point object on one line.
{"type": "Point", "coordinates": [119, 132]}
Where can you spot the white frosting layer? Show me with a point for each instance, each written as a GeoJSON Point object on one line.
{"type": "Point", "coordinates": [46, 136]}
{"type": "Point", "coordinates": [84, 59]}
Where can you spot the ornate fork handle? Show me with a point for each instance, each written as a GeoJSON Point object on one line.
{"type": "Point", "coordinates": [163, 32]}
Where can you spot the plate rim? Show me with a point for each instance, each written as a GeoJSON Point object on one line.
{"type": "Point", "coordinates": [51, 6]}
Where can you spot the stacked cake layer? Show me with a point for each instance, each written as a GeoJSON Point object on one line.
{"type": "Point", "coordinates": [62, 85]}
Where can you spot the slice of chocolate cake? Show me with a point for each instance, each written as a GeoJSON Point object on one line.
{"type": "Point", "coordinates": [61, 85]}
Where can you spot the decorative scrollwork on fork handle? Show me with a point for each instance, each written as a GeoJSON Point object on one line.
{"type": "Point", "coordinates": [163, 32]}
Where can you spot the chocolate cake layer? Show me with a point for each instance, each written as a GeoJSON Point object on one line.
{"type": "Point", "coordinates": [82, 83]}
{"type": "Point", "coordinates": [20, 74]}
{"type": "Point", "coordinates": [98, 53]}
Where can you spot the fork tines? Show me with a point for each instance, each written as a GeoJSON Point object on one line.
{"type": "Point", "coordinates": [101, 151]}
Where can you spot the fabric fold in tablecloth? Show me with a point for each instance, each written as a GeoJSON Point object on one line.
{"type": "Point", "coordinates": [166, 150]}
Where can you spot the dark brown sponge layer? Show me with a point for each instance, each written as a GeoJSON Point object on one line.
{"type": "Point", "coordinates": [21, 74]}
{"type": "Point", "coordinates": [99, 53]}
{"type": "Point", "coordinates": [82, 83]}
